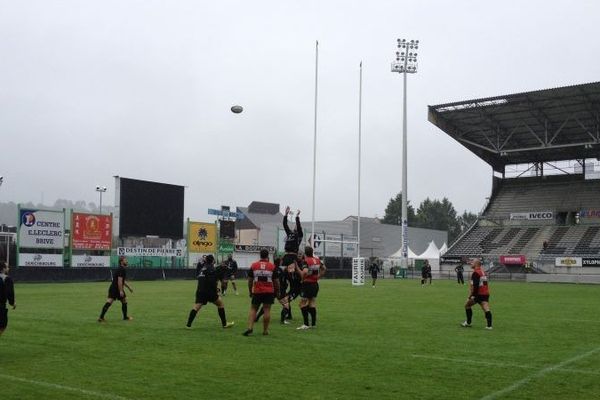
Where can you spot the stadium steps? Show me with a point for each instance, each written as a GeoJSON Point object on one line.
{"type": "Point", "coordinates": [501, 246]}
{"type": "Point", "coordinates": [551, 193]}
{"type": "Point", "coordinates": [584, 246]}
{"type": "Point", "coordinates": [523, 241]}
{"type": "Point", "coordinates": [554, 240]}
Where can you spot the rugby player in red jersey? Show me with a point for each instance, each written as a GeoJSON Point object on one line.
{"type": "Point", "coordinates": [479, 293]}
{"type": "Point", "coordinates": [263, 283]}
{"type": "Point", "coordinates": [312, 270]}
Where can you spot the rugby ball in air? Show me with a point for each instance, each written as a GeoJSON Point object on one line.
{"type": "Point", "coordinates": [237, 109]}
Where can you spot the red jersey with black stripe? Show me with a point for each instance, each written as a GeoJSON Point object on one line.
{"type": "Point", "coordinates": [313, 264]}
{"type": "Point", "coordinates": [262, 273]}
{"type": "Point", "coordinates": [480, 283]}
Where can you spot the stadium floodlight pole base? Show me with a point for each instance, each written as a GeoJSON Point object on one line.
{"type": "Point", "coordinates": [358, 271]}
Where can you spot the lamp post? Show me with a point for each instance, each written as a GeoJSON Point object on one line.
{"type": "Point", "coordinates": [100, 189]}
{"type": "Point", "coordinates": [405, 63]}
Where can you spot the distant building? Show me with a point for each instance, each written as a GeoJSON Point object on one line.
{"type": "Point", "coordinates": [263, 226]}
{"type": "Point", "coordinates": [256, 214]}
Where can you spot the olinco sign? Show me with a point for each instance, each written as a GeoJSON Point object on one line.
{"type": "Point", "coordinates": [577, 262]}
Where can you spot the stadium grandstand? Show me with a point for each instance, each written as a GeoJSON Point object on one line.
{"type": "Point", "coordinates": [543, 213]}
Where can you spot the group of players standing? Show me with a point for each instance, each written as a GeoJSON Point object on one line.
{"type": "Point", "coordinates": [285, 279]}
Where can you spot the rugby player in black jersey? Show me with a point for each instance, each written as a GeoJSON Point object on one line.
{"type": "Point", "coordinates": [7, 294]}
{"type": "Point", "coordinates": [292, 240]}
{"type": "Point", "coordinates": [207, 291]}
{"type": "Point", "coordinates": [116, 291]}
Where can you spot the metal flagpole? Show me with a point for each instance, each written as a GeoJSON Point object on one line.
{"type": "Point", "coordinates": [359, 149]}
{"type": "Point", "coordinates": [315, 137]}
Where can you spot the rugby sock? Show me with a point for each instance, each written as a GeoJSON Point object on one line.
{"type": "Point", "coordinates": [469, 315]}
{"type": "Point", "coordinates": [488, 317]}
{"type": "Point", "coordinates": [289, 312]}
{"type": "Point", "coordinates": [191, 317]}
{"type": "Point", "coordinates": [284, 312]}
{"type": "Point", "coordinates": [104, 309]}
{"type": "Point", "coordinates": [124, 310]}
{"type": "Point", "coordinates": [222, 316]}
{"type": "Point", "coordinates": [313, 314]}
{"type": "Point", "coordinates": [259, 314]}
{"type": "Point", "coordinates": [305, 314]}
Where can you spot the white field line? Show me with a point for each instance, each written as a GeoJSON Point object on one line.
{"type": "Point", "coordinates": [64, 388]}
{"type": "Point", "coordinates": [540, 373]}
{"type": "Point", "coordinates": [501, 365]}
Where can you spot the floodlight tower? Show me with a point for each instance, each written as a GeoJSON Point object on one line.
{"type": "Point", "coordinates": [100, 189]}
{"type": "Point", "coordinates": [406, 63]}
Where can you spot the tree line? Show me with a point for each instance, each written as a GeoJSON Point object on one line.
{"type": "Point", "coordinates": [431, 214]}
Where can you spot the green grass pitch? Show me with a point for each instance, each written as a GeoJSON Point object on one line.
{"type": "Point", "coordinates": [396, 341]}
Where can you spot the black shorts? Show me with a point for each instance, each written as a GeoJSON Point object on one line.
{"type": "Point", "coordinates": [374, 275]}
{"type": "Point", "coordinates": [293, 295]}
{"type": "Point", "coordinates": [482, 298]}
{"type": "Point", "coordinates": [309, 290]}
{"type": "Point", "coordinates": [113, 293]}
{"type": "Point", "coordinates": [263, 298]}
{"type": "Point", "coordinates": [3, 318]}
{"type": "Point", "coordinates": [288, 259]}
{"type": "Point", "coordinates": [205, 298]}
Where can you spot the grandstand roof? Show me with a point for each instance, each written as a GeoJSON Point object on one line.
{"type": "Point", "coordinates": [539, 126]}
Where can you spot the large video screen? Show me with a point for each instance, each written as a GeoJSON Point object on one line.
{"type": "Point", "coordinates": [150, 208]}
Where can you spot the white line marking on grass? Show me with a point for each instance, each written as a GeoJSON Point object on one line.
{"type": "Point", "coordinates": [502, 365]}
{"type": "Point", "coordinates": [460, 360]}
{"type": "Point", "coordinates": [538, 374]}
{"type": "Point", "coordinates": [66, 388]}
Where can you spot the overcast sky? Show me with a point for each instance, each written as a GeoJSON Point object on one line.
{"type": "Point", "coordinates": [143, 89]}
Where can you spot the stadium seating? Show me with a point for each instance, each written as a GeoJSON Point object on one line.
{"type": "Point", "coordinates": [495, 234]}
{"type": "Point", "coordinates": [554, 193]}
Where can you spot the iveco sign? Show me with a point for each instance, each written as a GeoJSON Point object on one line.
{"type": "Point", "coordinates": [533, 215]}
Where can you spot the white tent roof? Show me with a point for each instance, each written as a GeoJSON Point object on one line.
{"type": "Point", "coordinates": [398, 254]}
{"type": "Point", "coordinates": [432, 252]}
{"type": "Point", "coordinates": [443, 249]}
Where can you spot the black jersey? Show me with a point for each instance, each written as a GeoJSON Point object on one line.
{"type": "Point", "coordinates": [7, 291]}
{"type": "Point", "coordinates": [220, 271]}
{"type": "Point", "coordinates": [207, 279]}
{"type": "Point", "coordinates": [232, 267]}
{"type": "Point", "coordinates": [120, 272]}
{"type": "Point", "coordinates": [293, 238]}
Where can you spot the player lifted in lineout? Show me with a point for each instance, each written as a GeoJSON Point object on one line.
{"type": "Point", "coordinates": [292, 240]}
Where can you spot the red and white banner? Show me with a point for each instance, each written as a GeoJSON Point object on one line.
{"type": "Point", "coordinates": [91, 232]}
{"type": "Point", "coordinates": [513, 260]}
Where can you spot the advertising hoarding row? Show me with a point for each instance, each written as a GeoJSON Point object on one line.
{"type": "Point", "coordinates": [41, 231]}
{"type": "Point", "coordinates": [577, 262]}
